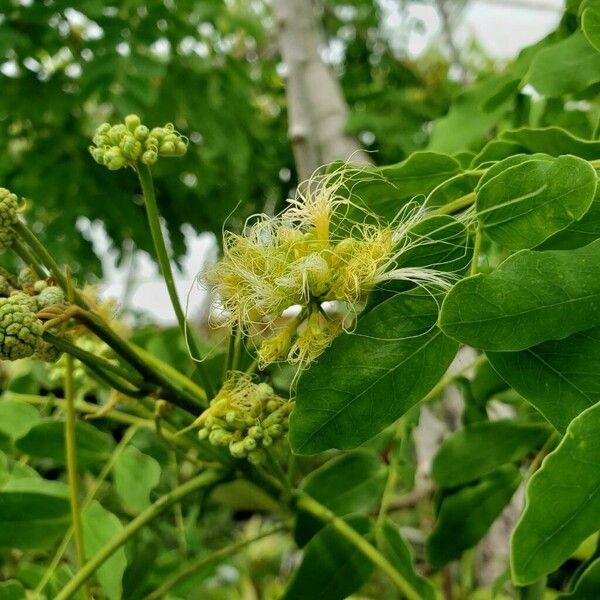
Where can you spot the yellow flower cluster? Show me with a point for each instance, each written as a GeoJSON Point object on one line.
{"type": "Point", "coordinates": [246, 417]}
{"type": "Point", "coordinates": [313, 261]}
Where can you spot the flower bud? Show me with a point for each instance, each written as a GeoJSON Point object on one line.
{"type": "Point", "coordinates": [132, 122]}
{"type": "Point", "coordinates": [257, 457]}
{"type": "Point", "coordinates": [8, 217]}
{"type": "Point", "coordinates": [141, 133]}
{"type": "Point", "coordinates": [149, 157]}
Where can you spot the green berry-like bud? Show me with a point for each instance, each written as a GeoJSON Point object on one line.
{"type": "Point", "coordinates": [51, 295]}
{"type": "Point", "coordinates": [131, 148]}
{"type": "Point", "coordinates": [220, 437]}
{"type": "Point", "coordinates": [117, 132]}
{"type": "Point", "coordinates": [141, 133]}
{"type": "Point", "coordinates": [149, 157]}
{"type": "Point", "coordinates": [40, 285]}
{"type": "Point", "coordinates": [8, 217]}
{"type": "Point", "coordinates": [29, 302]}
{"type": "Point", "coordinates": [273, 405]}
{"type": "Point", "coordinates": [27, 278]}
{"type": "Point", "coordinates": [249, 443]}
{"type": "Point", "coordinates": [275, 431]}
{"type": "Point", "coordinates": [132, 122]}
{"type": "Point", "coordinates": [237, 450]}
{"type": "Point", "coordinates": [203, 433]}
{"type": "Point", "coordinates": [5, 287]}
{"type": "Point", "coordinates": [114, 158]}
{"type": "Point", "coordinates": [257, 457]}
{"type": "Point", "coordinates": [267, 441]}
{"type": "Point", "coordinates": [256, 431]}
{"type": "Point", "coordinates": [20, 329]}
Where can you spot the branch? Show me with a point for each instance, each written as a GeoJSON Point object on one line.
{"type": "Point", "coordinates": [317, 111]}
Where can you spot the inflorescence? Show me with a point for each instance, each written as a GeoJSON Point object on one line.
{"type": "Point", "coordinates": [20, 328]}
{"type": "Point", "coordinates": [246, 417]}
{"type": "Point", "coordinates": [125, 144]}
{"type": "Point", "coordinates": [293, 282]}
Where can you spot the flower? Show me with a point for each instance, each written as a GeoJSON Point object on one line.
{"type": "Point", "coordinates": [321, 258]}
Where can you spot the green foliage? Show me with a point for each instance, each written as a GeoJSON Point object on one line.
{"type": "Point", "coordinates": [480, 448]}
{"type": "Point", "coordinates": [394, 358]}
{"type": "Point", "coordinates": [466, 259]}
{"type": "Point", "coordinates": [332, 567]}
{"type": "Point", "coordinates": [466, 514]}
{"type": "Point", "coordinates": [549, 532]}
{"type": "Point", "coordinates": [530, 298]}
{"type": "Point", "coordinates": [524, 204]}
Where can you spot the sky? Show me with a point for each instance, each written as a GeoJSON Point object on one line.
{"type": "Point", "coordinates": [502, 28]}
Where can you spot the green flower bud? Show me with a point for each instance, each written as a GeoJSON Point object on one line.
{"type": "Point", "coordinates": [114, 159]}
{"type": "Point", "coordinates": [141, 133]}
{"type": "Point", "coordinates": [40, 285]}
{"type": "Point", "coordinates": [51, 295]}
{"type": "Point", "coordinates": [273, 405]}
{"type": "Point", "coordinates": [257, 457]}
{"type": "Point", "coordinates": [29, 302]}
{"type": "Point", "coordinates": [203, 433]}
{"type": "Point", "coordinates": [167, 149]}
{"type": "Point", "coordinates": [27, 278]}
{"type": "Point", "coordinates": [20, 329]}
{"type": "Point", "coordinates": [249, 443]}
{"type": "Point", "coordinates": [256, 431]}
{"type": "Point", "coordinates": [8, 217]}
{"type": "Point", "coordinates": [116, 133]}
{"type": "Point", "coordinates": [149, 157]}
{"type": "Point", "coordinates": [131, 148]}
{"type": "Point", "coordinates": [267, 441]}
{"type": "Point", "coordinates": [220, 437]}
{"type": "Point", "coordinates": [237, 449]}
{"type": "Point", "coordinates": [132, 122]}
{"type": "Point", "coordinates": [275, 431]}
{"type": "Point", "coordinates": [97, 154]}
{"type": "Point", "coordinates": [5, 287]}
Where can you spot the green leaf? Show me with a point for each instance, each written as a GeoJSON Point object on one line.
{"type": "Point", "coordinates": [553, 141]}
{"type": "Point", "coordinates": [527, 203]}
{"type": "Point", "coordinates": [480, 448]}
{"type": "Point", "coordinates": [569, 368]}
{"type": "Point", "coordinates": [566, 67]}
{"type": "Point", "coordinates": [400, 554]}
{"type": "Point", "coordinates": [331, 568]}
{"type": "Point", "coordinates": [33, 513]}
{"type": "Point", "coordinates": [587, 586]}
{"type": "Point", "coordinates": [368, 379]}
{"type": "Point", "coordinates": [467, 514]}
{"type": "Point", "coordinates": [12, 590]}
{"type": "Point", "coordinates": [590, 24]}
{"type": "Point", "coordinates": [467, 114]}
{"type": "Point", "coordinates": [46, 440]}
{"type": "Point", "coordinates": [351, 483]}
{"type": "Point", "coordinates": [17, 418]}
{"type": "Point", "coordinates": [385, 190]}
{"type": "Point", "coordinates": [562, 502]}
{"type": "Point", "coordinates": [135, 475]}
{"type": "Point", "coordinates": [530, 298]}
{"type": "Point", "coordinates": [100, 527]}
{"type": "Point", "coordinates": [579, 233]}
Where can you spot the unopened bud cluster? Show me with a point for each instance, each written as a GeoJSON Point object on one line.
{"type": "Point", "coordinates": [124, 144]}
{"type": "Point", "coordinates": [246, 417]}
{"type": "Point", "coordinates": [8, 217]}
{"type": "Point", "coordinates": [20, 328]}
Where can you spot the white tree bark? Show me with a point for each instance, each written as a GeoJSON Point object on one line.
{"type": "Point", "coordinates": [317, 111]}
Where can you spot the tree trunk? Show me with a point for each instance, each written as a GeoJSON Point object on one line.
{"type": "Point", "coordinates": [317, 111]}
